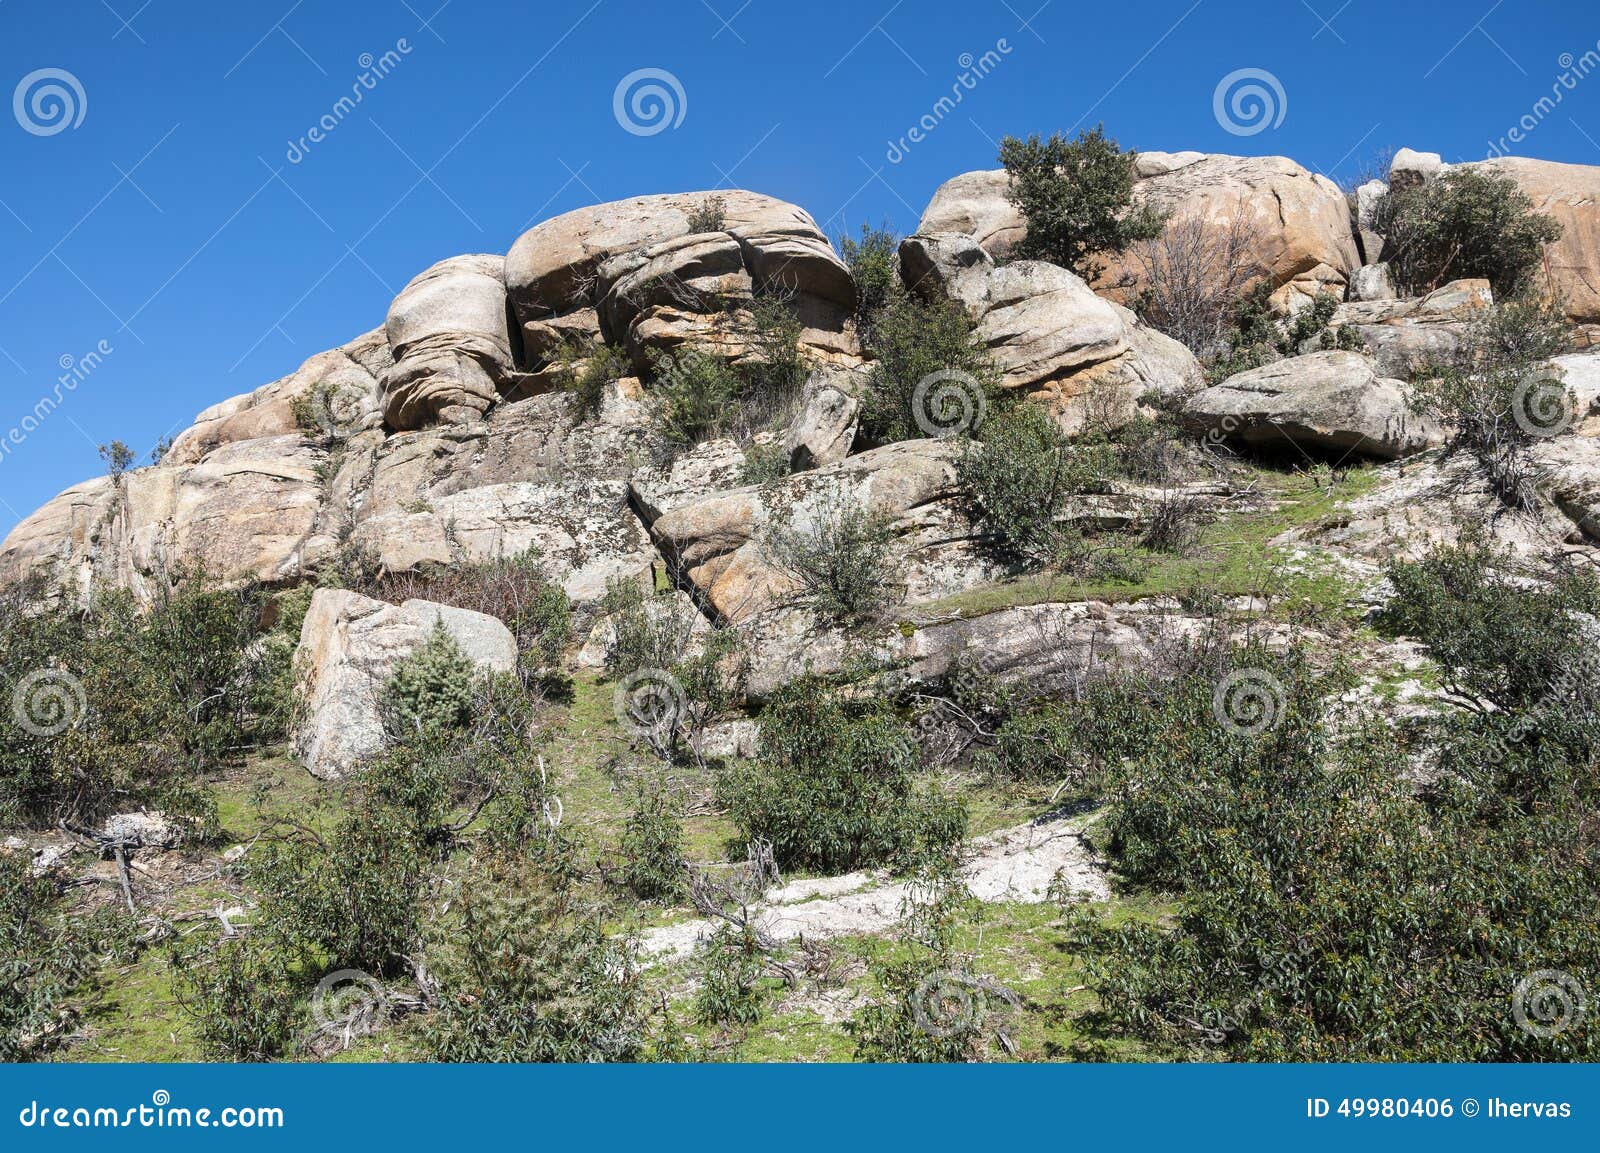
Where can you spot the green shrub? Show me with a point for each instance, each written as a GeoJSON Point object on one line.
{"type": "Point", "coordinates": [430, 691]}
{"type": "Point", "coordinates": [1077, 196]}
{"type": "Point", "coordinates": [710, 215]}
{"type": "Point", "coordinates": [839, 558]}
{"type": "Point", "coordinates": [529, 975]}
{"type": "Point", "coordinates": [874, 266]}
{"type": "Point", "coordinates": [47, 958]}
{"type": "Point", "coordinates": [588, 369]}
{"type": "Point", "coordinates": [730, 990]}
{"type": "Point", "coordinates": [1466, 223]}
{"type": "Point", "coordinates": [1499, 397]}
{"type": "Point", "coordinates": [909, 341]}
{"type": "Point", "coordinates": [239, 998]}
{"type": "Point", "coordinates": [834, 787]}
{"type": "Point", "coordinates": [1256, 337]}
{"type": "Point", "coordinates": [1021, 478]}
{"type": "Point", "coordinates": [695, 397]}
{"type": "Point", "coordinates": [763, 464]}
{"type": "Point", "coordinates": [652, 843]}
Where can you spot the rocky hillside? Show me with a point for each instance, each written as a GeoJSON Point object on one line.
{"type": "Point", "coordinates": [933, 476]}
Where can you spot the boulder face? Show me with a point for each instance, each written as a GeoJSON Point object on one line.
{"type": "Point", "coordinates": [632, 273]}
{"type": "Point", "coordinates": [1049, 334]}
{"type": "Point", "coordinates": [1569, 194]}
{"type": "Point", "coordinates": [349, 647]}
{"type": "Point", "coordinates": [1299, 222]}
{"type": "Point", "coordinates": [1326, 404]}
{"type": "Point", "coordinates": [450, 337]}
{"type": "Point", "coordinates": [1403, 335]}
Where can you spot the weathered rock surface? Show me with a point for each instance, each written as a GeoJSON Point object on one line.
{"type": "Point", "coordinates": [1401, 336]}
{"type": "Point", "coordinates": [1325, 403]}
{"type": "Point", "coordinates": [717, 542]}
{"type": "Point", "coordinates": [349, 646]}
{"type": "Point", "coordinates": [1372, 282]}
{"type": "Point", "coordinates": [450, 338]}
{"type": "Point", "coordinates": [1570, 195]}
{"type": "Point", "coordinates": [1300, 222]}
{"type": "Point", "coordinates": [824, 429]}
{"type": "Point", "coordinates": [634, 267]}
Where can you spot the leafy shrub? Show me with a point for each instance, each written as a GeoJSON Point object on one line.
{"type": "Point", "coordinates": [710, 215]}
{"type": "Point", "coordinates": [1498, 396]}
{"type": "Point", "coordinates": [1465, 223]}
{"type": "Point", "coordinates": [588, 369]}
{"type": "Point", "coordinates": [1077, 196]}
{"type": "Point", "coordinates": [239, 998]}
{"type": "Point", "coordinates": [694, 396]}
{"type": "Point", "coordinates": [910, 340]}
{"type": "Point", "coordinates": [1022, 475]}
{"type": "Point", "coordinates": [652, 843]}
{"type": "Point", "coordinates": [834, 787]}
{"type": "Point", "coordinates": [529, 975]}
{"type": "Point", "coordinates": [763, 464]}
{"type": "Point", "coordinates": [874, 266]}
{"type": "Point", "coordinates": [47, 956]}
{"type": "Point", "coordinates": [430, 691]}
{"type": "Point", "coordinates": [647, 631]}
{"type": "Point", "coordinates": [839, 559]}
{"type": "Point", "coordinates": [730, 990]}
{"type": "Point", "coordinates": [1257, 337]}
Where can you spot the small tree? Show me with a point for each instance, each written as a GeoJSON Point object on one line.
{"type": "Point", "coordinates": [874, 265]}
{"type": "Point", "coordinates": [1467, 222]}
{"type": "Point", "coordinates": [1077, 196]}
{"type": "Point", "coordinates": [430, 691]}
{"type": "Point", "coordinates": [910, 341]}
{"type": "Point", "coordinates": [839, 560]}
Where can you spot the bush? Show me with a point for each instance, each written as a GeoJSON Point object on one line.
{"type": "Point", "coordinates": [1332, 908]}
{"type": "Point", "coordinates": [1077, 196]}
{"type": "Point", "coordinates": [1195, 275]}
{"type": "Point", "coordinates": [429, 693]}
{"type": "Point", "coordinates": [910, 340]}
{"type": "Point", "coordinates": [875, 267]}
{"type": "Point", "coordinates": [839, 558]}
{"type": "Point", "coordinates": [1499, 397]}
{"type": "Point", "coordinates": [47, 956]}
{"type": "Point", "coordinates": [710, 215]}
{"type": "Point", "coordinates": [1257, 337]}
{"type": "Point", "coordinates": [652, 844]}
{"type": "Point", "coordinates": [1465, 223]}
{"type": "Point", "coordinates": [528, 975]}
{"type": "Point", "coordinates": [1021, 478]}
{"type": "Point", "coordinates": [239, 998]}
{"type": "Point", "coordinates": [694, 397]}
{"type": "Point", "coordinates": [730, 990]}
{"type": "Point", "coordinates": [588, 369]}
{"type": "Point", "coordinates": [834, 787]}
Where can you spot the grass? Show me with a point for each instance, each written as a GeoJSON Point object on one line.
{"type": "Point", "coordinates": [1234, 557]}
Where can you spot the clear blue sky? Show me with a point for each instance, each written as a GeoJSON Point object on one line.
{"type": "Point", "coordinates": [170, 223]}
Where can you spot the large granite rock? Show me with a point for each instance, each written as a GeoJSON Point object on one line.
{"type": "Point", "coordinates": [450, 337]}
{"type": "Point", "coordinates": [632, 273]}
{"type": "Point", "coordinates": [1326, 404]}
{"type": "Point", "coordinates": [349, 647]}
{"type": "Point", "coordinates": [1402, 336]}
{"type": "Point", "coordinates": [1300, 222]}
{"type": "Point", "coordinates": [1569, 194]}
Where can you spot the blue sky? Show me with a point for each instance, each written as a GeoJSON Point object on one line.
{"type": "Point", "coordinates": [174, 218]}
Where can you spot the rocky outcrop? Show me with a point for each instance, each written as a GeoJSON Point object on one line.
{"type": "Point", "coordinates": [1570, 195]}
{"type": "Point", "coordinates": [1402, 336]}
{"type": "Point", "coordinates": [1326, 404]}
{"type": "Point", "coordinates": [349, 647]}
{"type": "Point", "coordinates": [824, 428]}
{"type": "Point", "coordinates": [450, 337]}
{"type": "Point", "coordinates": [717, 543]}
{"type": "Point", "coordinates": [1299, 223]}
{"type": "Point", "coordinates": [632, 273]}
{"type": "Point", "coordinates": [1049, 335]}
